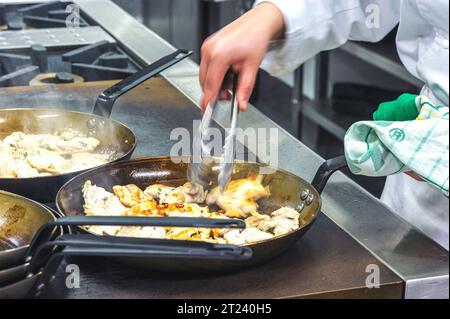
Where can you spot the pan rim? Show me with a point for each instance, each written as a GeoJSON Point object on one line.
{"type": "Point", "coordinates": [165, 157]}
{"type": "Point", "coordinates": [25, 179]}
{"type": "Point", "coordinates": [34, 203]}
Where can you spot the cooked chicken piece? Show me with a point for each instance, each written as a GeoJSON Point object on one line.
{"type": "Point", "coordinates": [286, 220]}
{"type": "Point", "coordinates": [182, 210]}
{"type": "Point", "coordinates": [194, 193]}
{"type": "Point", "coordinates": [22, 140]}
{"type": "Point", "coordinates": [284, 225]}
{"type": "Point", "coordinates": [145, 208]}
{"type": "Point", "coordinates": [129, 195]}
{"type": "Point", "coordinates": [196, 234]}
{"type": "Point", "coordinates": [217, 232]}
{"type": "Point", "coordinates": [286, 212]}
{"type": "Point", "coordinates": [153, 232]}
{"type": "Point", "coordinates": [234, 237]}
{"type": "Point", "coordinates": [14, 168]}
{"type": "Point", "coordinates": [69, 134]}
{"type": "Point", "coordinates": [97, 201]}
{"type": "Point", "coordinates": [248, 236]}
{"type": "Point", "coordinates": [52, 142]}
{"type": "Point", "coordinates": [142, 232]}
{"type": "Point", "coordinates": [173, 198]}
{"type": "Point", "coordinates": [239, 199]}
{"type": "Point", "coordinates": [105, 230]}
{"type": "Point", "coordinates": [46, 161]}
{"type": "Point", "coordinates": [252, 235]}
{"type": "Point", "coordinates": [38, 159]}
{"type": "Point", "coordinates": [75, 145]}
{"type": "Point", "coordinates": [179, 233]}
{"type": "Point", "coordinates": [262, 222]}
{"type": "Point", "coordinates": [83, 161]}
{"type": "Point", "coordinates": [22, 169]}
{"type": "Point", "coordinates": [158, 191]}
{"type": "Point", "coordinates": [188, 193]}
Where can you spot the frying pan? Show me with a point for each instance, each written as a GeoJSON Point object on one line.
{"type": "Point", "coordinates": [286, 190]}
{"type": "Point", "coordinates": [113, 136]}
{"type": "Point", "coordinates": [30, 277]}
{"type": "Point", "coordinates": [20, 219]}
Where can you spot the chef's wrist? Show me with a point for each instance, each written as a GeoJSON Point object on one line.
{"type": "Point", "coordinates": [273, 19]}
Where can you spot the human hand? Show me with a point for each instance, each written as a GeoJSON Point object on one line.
{"type": "Point", "coordinates": [241, 46]}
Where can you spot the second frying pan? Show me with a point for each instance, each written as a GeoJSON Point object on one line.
{"type": "Point", "coordinates": [112, 135]}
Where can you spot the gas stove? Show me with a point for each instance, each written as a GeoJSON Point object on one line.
{"type": "Point", "coordinates": [40, 46]}
{"type": "Point", "coordinates": [41, 15]}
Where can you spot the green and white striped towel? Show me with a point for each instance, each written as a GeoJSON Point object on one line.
{"type": "Point", "coordinates": [382, 148]}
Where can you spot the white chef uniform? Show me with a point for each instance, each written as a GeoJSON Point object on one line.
{"type": "Point", "coordinates": [313, 26]}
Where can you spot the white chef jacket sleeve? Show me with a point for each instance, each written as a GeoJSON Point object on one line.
{"type": "Point", "coordinates": [313, 26]}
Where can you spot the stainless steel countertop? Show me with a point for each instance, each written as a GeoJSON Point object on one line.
{"type": "Point", "coordinates": [416, 259]}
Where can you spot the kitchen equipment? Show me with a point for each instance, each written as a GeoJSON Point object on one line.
{"type": "Point", "coordinates": [286, 190]}
{"type": "Point", "coordinates": [113, 135]}
{"type": "Point", "coordinates": [50, 253]}
{"type": "Point", "coordinates": [20, 219]}
{"type": "Point", "coordinates": [199, 170]}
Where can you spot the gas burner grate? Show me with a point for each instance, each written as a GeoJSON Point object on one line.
{"type": "Point", "coordinates": [39, 65]}
{"type": "Point", "coordinates": [99, 61]}
{"type": "Point", "coordinates": [38, 16]}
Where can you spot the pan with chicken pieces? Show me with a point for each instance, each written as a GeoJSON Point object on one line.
{"type": "Point", "coordinates": [239, 200]}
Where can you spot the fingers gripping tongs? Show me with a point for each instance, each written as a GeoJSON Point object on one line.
{"type": "Point", "coordinates": [200, 169]}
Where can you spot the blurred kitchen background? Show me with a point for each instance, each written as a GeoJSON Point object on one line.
{"type": "Point", "coordinates": [318, 102]}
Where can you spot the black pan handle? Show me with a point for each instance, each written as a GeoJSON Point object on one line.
{"type": "Point", "coordinates": [153, 247]}
{"type": "Point", "coordinates": [105, 101]}
{"type": "Point", "coordinates": [42, 234]}
{"type": "Point", "coordinates": [170, 249]}
{"type": "Point", "coordinates": [326, 170]}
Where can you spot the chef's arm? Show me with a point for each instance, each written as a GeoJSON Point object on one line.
{"type": "Point", "coordinates": [290, 32]}
{"type": "Point", "coordinates": [312, 26]}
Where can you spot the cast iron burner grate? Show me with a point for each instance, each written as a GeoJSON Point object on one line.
{"type": "Point", "coordinates": [41, 66]}
{"type": "Point", "coordinates": [38, 16]}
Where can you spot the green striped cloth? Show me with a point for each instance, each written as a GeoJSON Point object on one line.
{"type": "Point", "coordinates": [388, 147]}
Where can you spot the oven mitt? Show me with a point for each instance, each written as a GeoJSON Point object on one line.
{"type": "Point", "coordinates": [409, 134]}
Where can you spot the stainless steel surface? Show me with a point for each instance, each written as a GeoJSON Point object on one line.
{"type": "Point", "coordinates": [390, 239]}
{"type": "Point", "coordinates": [57, 37]}
{"type": "Point", "coordinates": [423, 288]}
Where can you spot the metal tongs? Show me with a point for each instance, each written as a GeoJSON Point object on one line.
{"type": "Point", "coordinates": [200, 170]}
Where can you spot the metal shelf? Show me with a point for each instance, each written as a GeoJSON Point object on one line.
{"type": "Point", "coordinates": [321, 112]}
{"type": "Point", "coordinates": [383, 56]}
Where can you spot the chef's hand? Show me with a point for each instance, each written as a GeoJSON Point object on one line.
{"type": "Point", "coordinates": [241, 45]}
